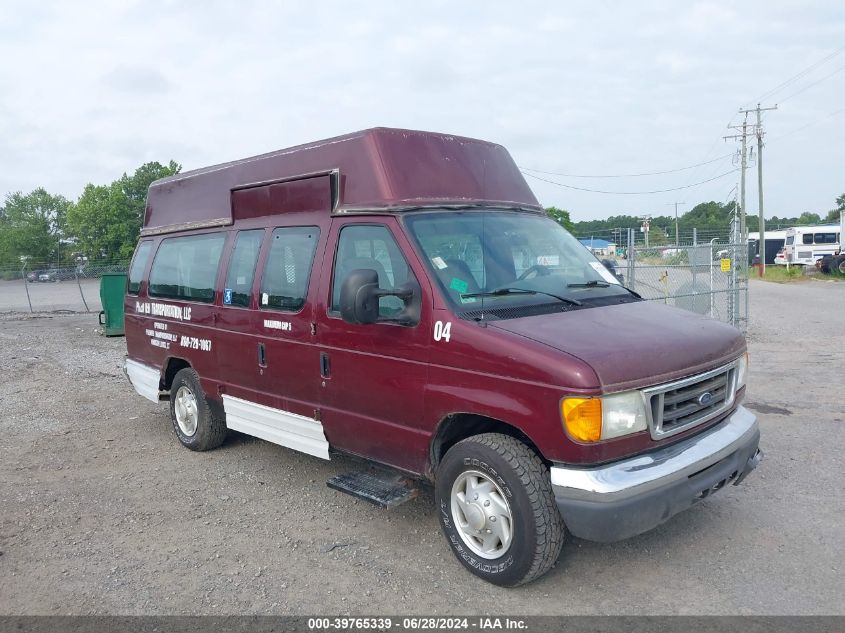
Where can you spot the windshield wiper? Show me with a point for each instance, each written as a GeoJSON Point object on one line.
{"type": "Point", "coordinates": [501, 292]}
{"type": "Point", "coordinates": [602, 284]}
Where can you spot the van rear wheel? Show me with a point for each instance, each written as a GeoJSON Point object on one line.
{"type": "Point", "coordinates": [497, 509]}
{"type": "Point", "coordinates": [197, 425]}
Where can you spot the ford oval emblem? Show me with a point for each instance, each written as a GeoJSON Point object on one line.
{"type": "Point", "coordinates": [705, 398]}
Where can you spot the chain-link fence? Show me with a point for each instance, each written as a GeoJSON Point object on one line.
{"type": "Point", "coordinates": [704, 272]}
{"type": "Point", "coordinates": [708, 277]}
{"type": "Point", "coordinates": [55, 288]}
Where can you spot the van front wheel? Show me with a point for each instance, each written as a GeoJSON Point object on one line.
{"type": "Point", "coordinates": [195, 422]}
{"type": "Point", "coordinates": [497, 509]}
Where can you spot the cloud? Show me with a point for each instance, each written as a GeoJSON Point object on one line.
{"type": "Point", "coordinates": [581, 87]}
{"type": "Point", "coordinates": [136, 79]}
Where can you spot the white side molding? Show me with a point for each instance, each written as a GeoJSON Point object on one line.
{"type": "Point", "coordinates": [144, 379]}
{"type": "Point", "coordinates": [277, 426]}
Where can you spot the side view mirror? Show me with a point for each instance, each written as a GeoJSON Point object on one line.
{"type": "Point", "coordinates": [360, 294]}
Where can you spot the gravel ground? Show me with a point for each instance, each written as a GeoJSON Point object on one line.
{"type": "Point", "coordinates": [103, 512]}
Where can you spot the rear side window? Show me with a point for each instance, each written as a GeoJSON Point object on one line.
{"type": "Point", "coordinates": [139, 264]}
{"type": "Point", "coordinates": [242, 268]}
{"type": "Point", "coordinates": [186, 267]}
{"type": "Point", "coordinates": [826, 238]}
{"type": "Point", "coordinates": [790, 239]}
{"type": "Point", "coordinates": [807, 238]}
{"type": "Point", "coordinates": [284, 284]}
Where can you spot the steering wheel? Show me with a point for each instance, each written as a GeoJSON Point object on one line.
{"type": "Point", "coordinates": [537, 269]}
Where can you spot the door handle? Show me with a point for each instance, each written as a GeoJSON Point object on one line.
{"type": "Point", "coordinates": [262, 357]}
{"type": "Point", "coordinates": [324, 365]}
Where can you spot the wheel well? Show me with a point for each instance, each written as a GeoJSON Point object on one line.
{"type": "Point", "coordinates": [174, 365]}
{"type": "Point", "coordinates": [459, 426]}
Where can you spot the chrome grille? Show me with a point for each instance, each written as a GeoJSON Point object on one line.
{"type": "Point", "coordinates": [679, 405]}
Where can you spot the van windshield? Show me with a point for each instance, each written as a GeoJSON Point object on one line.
{"type": "Point", "coordinates": [525, 259]}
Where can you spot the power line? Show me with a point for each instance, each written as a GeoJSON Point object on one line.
{"type": "Point", "coordinates": [799, 75]}
{"type": "Point", "coordinates": [647, 173]}
{"type": "Point", "coordinates": [629, 193]}
{"type": "Point", "coordinates": [806, 125]}
{"type": "Point", "coordinates": [808, 86]}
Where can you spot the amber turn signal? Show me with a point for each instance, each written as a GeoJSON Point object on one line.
{"type": "Point", "coordinates": [582, 417]}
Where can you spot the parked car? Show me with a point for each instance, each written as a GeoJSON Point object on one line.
{"type": "Point", "coordinates": [48, 275]}
{"type": "Point", "coordinates": [402, 296]}
{"type": "Point", "coordinates": [780, 258]}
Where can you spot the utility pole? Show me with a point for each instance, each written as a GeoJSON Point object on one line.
{"type": "Point", "coordinates": [646, 219]}
{"type": "Point", "coordinates": [761, 244]}
{"type": "Point", "coordinates": [677, 241]}
{"type": "Point", "coordinates": [743, 235]}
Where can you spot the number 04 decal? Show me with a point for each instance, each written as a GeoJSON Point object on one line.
{"type": "Point", "coordinates": [442, 331]}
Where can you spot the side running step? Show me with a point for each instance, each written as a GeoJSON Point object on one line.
{"type": "Point", "coordinates": [386, 489]}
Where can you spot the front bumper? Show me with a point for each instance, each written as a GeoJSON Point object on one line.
{"type": "Point", "coordinates": [631, 496]}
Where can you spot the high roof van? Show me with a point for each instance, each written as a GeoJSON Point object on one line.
{"type": "Point", "coordinates": [401, 296]}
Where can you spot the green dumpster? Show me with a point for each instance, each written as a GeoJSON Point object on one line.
{"type": "Point", "coordinates": [112, 289]}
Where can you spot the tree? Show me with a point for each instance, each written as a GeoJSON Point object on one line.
{"type": "Point", "coordinates": [106, 220]}
{"type": "Point", "coordinates": [561, 216]}
{"type": "Point", "coordinates": [31, 225]}
{"type": "Point", "coordinates": [808, 218]}
{"type": "Point", "coordinates": [833, 214]}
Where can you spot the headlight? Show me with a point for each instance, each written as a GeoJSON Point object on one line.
{"type": "Point", "coordinates": [742, 371]}
{"type": "Point", "coordinates": [594, 419]}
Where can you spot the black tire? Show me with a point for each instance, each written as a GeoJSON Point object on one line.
{"type": "Point", "coordinates": [826, 264]}
{"type": "Point", "coordinates": [839, 264]}
{"type": "Point", "coordinates": [210, 423]}
{"type": "Point", "coordinates": [523, 480]}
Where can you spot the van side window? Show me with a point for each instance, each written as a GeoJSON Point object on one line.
{"type": "Point", "coordinates": [139, 265]}
{"type": "Point", "coordinates": [826, 238]}
{"type": "Point", "coordinates": [186, 267]}
{"type": "Point", "coordinates": [370, 247]}
{"type": "Point", "coordinates": [284, 284]}
{"type": "Point", "coordinates": [807, 238]}
{"type": "Point", "coordinates": [242, 266]}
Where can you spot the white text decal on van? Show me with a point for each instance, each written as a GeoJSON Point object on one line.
{"type": "Point", "coordinates": [163, 310]}
{"type": "Point", "coordinates": [442, 331]}
{"type": "Point", "coordinates": [284, 326]}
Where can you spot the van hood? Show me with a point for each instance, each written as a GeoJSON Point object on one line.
{"type": "Point", "coordinates": [634, 345]}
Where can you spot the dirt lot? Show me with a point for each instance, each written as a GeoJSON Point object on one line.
{"type": "Point", "coordinates": [102, 511]}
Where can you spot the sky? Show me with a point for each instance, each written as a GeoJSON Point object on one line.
{"type": "Point", "coordinates": [91, 90]}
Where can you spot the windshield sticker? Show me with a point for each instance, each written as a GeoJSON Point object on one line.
{"type": "Point", "coordinates": [227, 296]}
{"type": "Point", "coordinates": [459, 284]}
{"type": "Point", "coordinates": [265, 298]}
{"type": "Point", "coordinates": [604, 272]}
{"type": "Point", "coordinates": [438, 261]}
{"type": "Point", "coordinates": [548, 260]}
{"type": "Point", "coordinates": [469, 299]}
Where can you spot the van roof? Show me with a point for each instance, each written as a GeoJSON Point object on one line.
{"type": "Point", "coordinates": [380, 169]}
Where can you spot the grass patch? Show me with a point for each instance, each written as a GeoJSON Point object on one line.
{"type": "Point", "coordinates": [834, 275]}
{"type": "Point", "coordinates": [781, 274]}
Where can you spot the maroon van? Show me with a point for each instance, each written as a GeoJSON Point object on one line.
{"type": "Point", "coordinates": [401, 296]}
